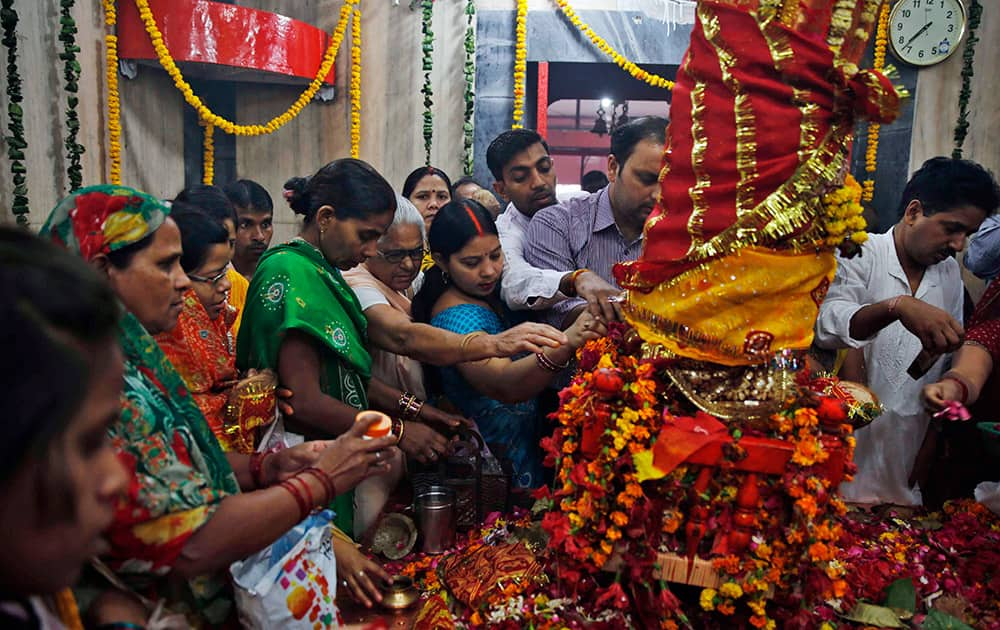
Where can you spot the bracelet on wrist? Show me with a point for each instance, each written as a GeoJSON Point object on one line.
{"type": "Point", "coordinates": [548, 364]}
{"type": "Point", "coordinates": [304, 508]}
{"type": "Point", "coordinates": [573, 277]}
{"type": "Point", "coordinates": [397, 429]}
{"type": "Point", "coordinates": [324, 480]}
{"type": "Point", "coordinates": [949, 376]}
{"type": "Point", "coordinates": [893, 303]}
{"type": "Point", "coordinates": [468, 338]}
{"type": "Point", "coordinates": [257, 466]}
{"type": "Point", "coordinates": [409, 406]}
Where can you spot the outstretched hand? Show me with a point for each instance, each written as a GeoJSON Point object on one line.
{"type": "Point", "coordinates": [529, 337]}
{"type": "Point", "coordinates": [597, 291]}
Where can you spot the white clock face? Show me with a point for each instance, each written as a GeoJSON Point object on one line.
{"type": "Point", "coordinates": [925, 32]}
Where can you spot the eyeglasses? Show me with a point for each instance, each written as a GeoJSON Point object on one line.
{"type": "Point", "coordinates": [396, 256]}
{"type": "Point", "coordinates": [214, 280]}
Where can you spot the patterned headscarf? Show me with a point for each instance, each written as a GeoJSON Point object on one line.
{"type": "Point", "coordinates": [101, 219]}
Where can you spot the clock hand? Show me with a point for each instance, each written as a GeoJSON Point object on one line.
{"type": "Point", "coordinates": [918, 33]}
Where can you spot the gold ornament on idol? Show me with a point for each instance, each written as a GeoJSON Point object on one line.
{"type": "Point", "coordinates": [356, 83]}
{"type": "Point", "coordinates": [520, 62]}
{"type": "Point", "coordinates": [114, 103]}
{"type": "Point", "coordinates": [871, 151]}
{"type": "Point", "coordinates": [206, 114]}
{"type": "Point", "coordinates": [626, 65]}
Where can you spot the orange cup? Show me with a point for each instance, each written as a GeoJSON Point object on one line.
{"type": "Point", "coordinates": [381, 428]}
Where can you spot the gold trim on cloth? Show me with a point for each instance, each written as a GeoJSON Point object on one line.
{"type": "Point", "coordinates": [746, 143]}
{"type": "Point", "coordinates": [735, 310]}
{"type": "Point", "coordinates": [698, 149]}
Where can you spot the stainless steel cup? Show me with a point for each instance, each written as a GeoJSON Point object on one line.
{"type": "Point", "coordinates": [435, 509]}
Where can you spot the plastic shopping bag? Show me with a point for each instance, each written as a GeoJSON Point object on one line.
{"type": "Point", "coordinates": [293, 583]}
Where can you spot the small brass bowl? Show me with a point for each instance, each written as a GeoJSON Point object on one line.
{"type": "Point", "coordinates": [400, 594]}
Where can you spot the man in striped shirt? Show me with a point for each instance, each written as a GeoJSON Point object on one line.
{"type": "Point", "coordinates": [526, 177]}
{"type": "Point", "coordinates": [604, 228]}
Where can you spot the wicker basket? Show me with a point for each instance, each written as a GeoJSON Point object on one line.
{"type": "Point", "coordinates": [494, 482]}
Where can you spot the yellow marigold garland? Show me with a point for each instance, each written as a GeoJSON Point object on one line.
{"type": "Point", "coordinates": [206, 114]}
{"type": "Point", "coordinates": [520, 62]}
{"type": "Point", "coordinates": [871, 151]}
{"type": "Point", "coordinates": [114, 102]}
{"type": "Point", "coordinates": [208, 157]}
{"type": "Point", "coordinates": [844, 220]}
{"type": "Point", "coordinates": [356, 84]}
{"type": "Point", "coordinates": [626, 65]}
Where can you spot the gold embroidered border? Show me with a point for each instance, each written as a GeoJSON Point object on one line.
{"type": "Point", "coordinates": [809, 125]}
{"type": "Point", "coordinates": [680, 332]}
{"type": "Point", "coordinates": [792, 206]}
{"type": "Point", "coordinates": [702, 179]}
{"type": "Point", "coordinates": [841, 19]}
{"type": "Point", "coordinates": [746, 144]}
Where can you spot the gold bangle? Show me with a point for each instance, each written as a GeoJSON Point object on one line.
{"type": "Point", "coordinates": [468, 338]}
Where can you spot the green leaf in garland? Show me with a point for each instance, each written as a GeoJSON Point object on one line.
{"type": "Point", "coordinates": [16, 142]}
{"type": "Point", "coordinates": [937, 620]}
{"type": "Point", "coordinates": [877, 616]}
{"type": "Point", "coordinates": [71, 74]}
{"type": "Point", "coordinates": [427, 66]}
{"type": "Point", "coordinates": [902, 596]}
{"type": "Point", "coordinates": [965, 94]}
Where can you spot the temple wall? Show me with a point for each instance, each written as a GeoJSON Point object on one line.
{"type": "Point", "coordinates": [391, 110]}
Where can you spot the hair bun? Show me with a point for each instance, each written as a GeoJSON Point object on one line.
{"type": "Point", "coordinates": [297, 195]}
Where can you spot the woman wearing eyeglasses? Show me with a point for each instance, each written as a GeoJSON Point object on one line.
{"type": "Point", "coordinates": [201, 345]}
{"type": "Point", "coordinates": [386, 283]}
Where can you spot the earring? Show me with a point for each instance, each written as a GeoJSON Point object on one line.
{"type": "Point", "coordinates": [444, 276]}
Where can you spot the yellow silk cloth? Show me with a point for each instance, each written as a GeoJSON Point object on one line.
{"type": "Point", "coordinates": [237, 296]}
{"type": "Point", "coordinates": [738, 309]}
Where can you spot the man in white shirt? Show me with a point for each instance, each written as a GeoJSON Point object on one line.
{"type": "Point", "coordinates": [526, 177]}
{"type": "Point", "coordinates": [902, 295]}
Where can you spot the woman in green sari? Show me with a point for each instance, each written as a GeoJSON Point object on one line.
{"type": "Point", "coordinates": [172, 535]}
{"type": "Point", "coordinates": [303, 320]}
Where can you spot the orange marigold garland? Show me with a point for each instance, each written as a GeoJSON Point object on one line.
{"type": "Point", "coordinates": [520, 62]}
{"type": "Point", "coordinates": [114, 102]}
{"type": "Point", "coordinates": [620, 60]}
{"type": "Point", "coordinates": [613, 412]}
{"type": "Point", "coordinates": [208, 154]}
{"type": "Point", "coordinates": [356, 83]}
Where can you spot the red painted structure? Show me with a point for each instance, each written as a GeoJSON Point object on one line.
{"type": "Point", "coordinates": [241, 38]}
{"type": "Point", "coordinates": [542, 100]}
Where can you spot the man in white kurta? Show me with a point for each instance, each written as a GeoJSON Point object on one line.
{"type": "Point", "coordinates": [904, 293]}
{"type": "Point", "coordinates": [886, 449]}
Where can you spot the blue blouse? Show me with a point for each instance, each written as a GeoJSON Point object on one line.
{"type": "Point", "coordinates": [516, 426]}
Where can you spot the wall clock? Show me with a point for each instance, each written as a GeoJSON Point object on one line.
{"type": "Point", "coordinates": [926, 32]}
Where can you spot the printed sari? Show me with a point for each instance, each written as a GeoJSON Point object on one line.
{"type": "Point", "coordinates": [199, 348]}
{"type": "Point", "coordinates": [295, 288]}
{"type": "Point", "coordinates": [179, 476]}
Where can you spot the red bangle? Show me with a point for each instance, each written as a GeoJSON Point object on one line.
{"type": "Point", "coordinates": [305, 486]}
{"type": "Point", "coordinates": [257, 467]}
{"type": "Point", "coordinates": [304, 508]}
{"type": "Point", "coordinates": [965, 389]}
{"type": "Point", "coordinates": [325, 481]}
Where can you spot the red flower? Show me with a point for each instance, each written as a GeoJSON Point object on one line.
{"type": "Point", "coordinates": [557, 525]}
{"type": "Point", "coordinates": [608, 381]}
{"type": "Point", "coordinates": [831, 411]}
{"type": "Point", "coordinates": [614, 596]}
